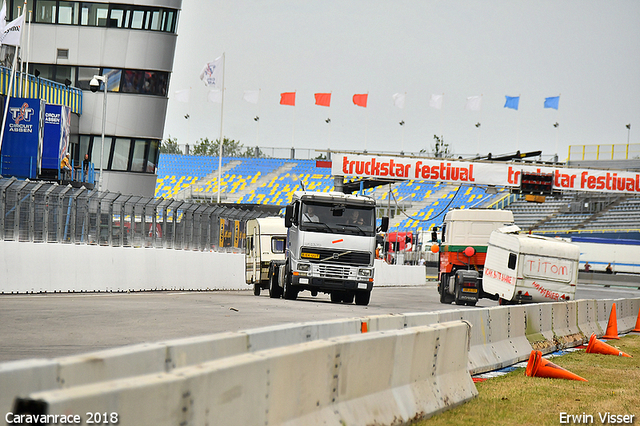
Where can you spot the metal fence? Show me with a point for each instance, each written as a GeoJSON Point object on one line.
{"type": "Point", "coordinates": [46, 212]}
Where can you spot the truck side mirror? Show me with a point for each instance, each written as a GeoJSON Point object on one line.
{"type": "Point", "coordinates": [288, 216]}
{"type": "Point", "coordinates": [384, 224]}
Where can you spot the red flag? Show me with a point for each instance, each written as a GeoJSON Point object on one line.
{"type": "Point", "coordinates": [288, 98]}
{"type": "Point", "coordinates": [360, 100]}
{"type": "Point", "coordinates": [323, 99]}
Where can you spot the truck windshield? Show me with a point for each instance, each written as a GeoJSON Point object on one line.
{"type": "Point", "coordinates": [337, 219]}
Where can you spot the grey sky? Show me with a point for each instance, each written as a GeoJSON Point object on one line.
{"type": "Point", "coordinates": [588, 51]}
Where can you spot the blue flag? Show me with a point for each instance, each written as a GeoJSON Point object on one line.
{"type": "Point", "coordinates": [552, 102]}
{"type": "Point", "coordinates": [512, 102]}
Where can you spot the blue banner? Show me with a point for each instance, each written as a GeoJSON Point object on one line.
{"type": "Point", "coordinates": [512, 102]}
{"type": "Point", "coordinates": [552, 102]}
{"type": "Point", "coordinates": [22, 144]}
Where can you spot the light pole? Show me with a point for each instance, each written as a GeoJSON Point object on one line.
{"type": "Point", "coordinates": [94, 85]}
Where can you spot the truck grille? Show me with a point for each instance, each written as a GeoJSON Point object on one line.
{"type": "Point", "coordinates": [336, 272]}
{"type": "Point", "coordinates": [344, 257]}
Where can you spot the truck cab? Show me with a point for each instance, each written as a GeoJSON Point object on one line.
{"type": "Point", "coordinates": [463, 250]}
{"type": "Point", "coordinates": [331, 243]}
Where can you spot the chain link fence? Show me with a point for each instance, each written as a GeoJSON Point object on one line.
{"type": "Point", "coordinates": [45, 212]}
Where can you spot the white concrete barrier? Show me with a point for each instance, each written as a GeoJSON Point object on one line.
{"type": "Point", "coordinates": [588, 318]}
{"type": "Point", "coordinates": [371, 378]}
{"type": "Point", "coordinates": [145, 269]}
{"type": "Point", "coordinates": [539, 330]}
{"type": "Point", "coordinates": [565, 324]}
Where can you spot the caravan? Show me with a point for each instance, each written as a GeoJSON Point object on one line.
{"type": "Point", "coordinates": [529, 268]}
{"type": "Point", "coordinates": [266, 241]}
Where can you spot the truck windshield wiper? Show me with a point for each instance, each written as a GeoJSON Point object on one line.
{"type": "Point", "coordinates": [306, 224]}
{"type": "Point", "coordinates": [349, 225]}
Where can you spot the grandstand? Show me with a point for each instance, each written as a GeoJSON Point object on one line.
{"type": "Point", "coordinates": [416, 205]}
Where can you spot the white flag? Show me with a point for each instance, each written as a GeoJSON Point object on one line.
{"type": "Point", "coordinates": [436, 101]}
{"type": "Point", "coordinates": [211, 74]}
{"type": "Point", "coordinates": [3, 16]}
{"type": "Point", "coordinates": [182, 95]}
{"type": "Point", "coordinates": [251, 96]}
{"type": "Point", "coordinates": [11, 33]}
{"type": "Point", "coordinates": [215, 96]}
{"type": "Point", "coordinates": [473, 103]}
{"type": "Point", "coordinates": [398, 99]}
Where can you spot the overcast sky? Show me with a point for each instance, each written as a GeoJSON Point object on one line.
{"type": "Point", "coordinates": [586, 51]}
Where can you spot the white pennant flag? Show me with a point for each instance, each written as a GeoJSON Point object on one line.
{"type": "Point", "coordinates": [3, 16]}
{"type": "Point", "coordinates": [211, 74]}
{"type": "Point", "coordinates": [215, 96]}
{"type": "Point", "coordinates": [182, 95]}
{"type": "Point", "coordinates": [473, 103]}
{"type": "Point", "coordinates": [398, 99]}
{"type": "Point", "coordinates": [251, 96]}
{"type": "Point", "coordinates": [11, 34]}
{"type": "Point", "coordinates": [436, 101]}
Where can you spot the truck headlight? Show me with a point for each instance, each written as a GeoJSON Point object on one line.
{"type": "Point", "coordinates": [304, 266]}
{"type": "Point", "coordinates": [365, 272]}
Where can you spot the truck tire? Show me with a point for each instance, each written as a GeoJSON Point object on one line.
{"type": "Point", "coordinates": [256, 289]}
{"type": "Point", "coordinates": [445, 297]}
{"type": "Point", "coordinates": [274, 289]}
{"type": "Point", "coordinates": [290, 293]}
{"type": "Point", "coordinates": [336, 296]}
{"type": "Point", "coordinates": [363, 297]}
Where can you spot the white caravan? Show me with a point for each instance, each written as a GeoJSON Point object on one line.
{"type": "Point", "coordinates": [266, 241]}
{"type": "Point", "coordinates": [530, 268]}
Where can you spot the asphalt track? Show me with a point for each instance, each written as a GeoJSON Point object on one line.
{"type": "Point", "coordinates": [53, 325]}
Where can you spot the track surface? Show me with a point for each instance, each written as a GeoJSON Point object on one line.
{"type": "Point", "coordinates": [52, 325]}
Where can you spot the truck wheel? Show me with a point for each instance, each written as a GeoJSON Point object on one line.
{"type": "Point", "coordinates": [256, 289]}
{"type": "Point", "coordinates": [336, 297]}
{"type": "Point", "coordinates": [363, 297]}
{"type": "Point", "coordinates": [444, 296]}
{"type": "Point", "coordinates": [274, 289]}
{"type": "Point", "coordinates": [290, 293]}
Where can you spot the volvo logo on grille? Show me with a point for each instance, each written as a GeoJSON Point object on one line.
{"type": "Point", "coordinates": [336, 255]}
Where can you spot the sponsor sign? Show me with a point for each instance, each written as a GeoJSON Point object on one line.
{"type": "Point", "coordinates": [481, 173]}
{"type": "Point", "coordinates": [22, 144]}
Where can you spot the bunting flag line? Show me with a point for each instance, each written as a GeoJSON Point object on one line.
{"type": "Point", "coordinates": [251, 96]}
{"type": "Point", "coordinates": [398, 99]}
{"type": "Point", "coordinates": [512, 102]}
{"type": "Point", "coordinates": [211, 73]}
{"type": "Point", "coordinates": [288, 98]}
{"type": "Point", "coordinates": [323, 99]}
{"type": "Point", "coordinates": [182, 95]}
{"type": "Point", "coordinates": [361, 100]}
{"type": "Point", "coordinates": [436, 101]}
{"type": "Point", "coordinates": [474, 103]}
{"type": "Point", "coordinates": [552, 102]}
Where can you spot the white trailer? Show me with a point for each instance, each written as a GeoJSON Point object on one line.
{"type": "Point", "coordinates": [266, 241]}
{"type": "Point", "coordinates": [530, 268]}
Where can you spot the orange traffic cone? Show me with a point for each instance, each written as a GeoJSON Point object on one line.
{"type": "Point", "coordinates": [637, 329]}
{"type": "Point", "coordinates": [597, 347]}
{"type": "Point", "coordinates": [612, 326]}
{"type": "Point", "coordinates": [540, 367]}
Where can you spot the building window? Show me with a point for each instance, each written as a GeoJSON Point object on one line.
{"type": "Point", "coordinates": [68, 12]}
{"type": "Point", "coordinates": [121, 154]}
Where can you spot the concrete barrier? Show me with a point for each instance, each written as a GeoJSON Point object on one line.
{"type": "Point", "coordinates": [539, 327]}
{"type": "Point", "coordinates": [371, 378]}
{"type": "Point", "coordinates": [145, 269]}
{"type": "Point", "coordinates": [565, 324]}
{"type": "Point", "coordinates": [587, 318]}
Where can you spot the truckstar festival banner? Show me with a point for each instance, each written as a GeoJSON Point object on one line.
{"type": "Point", "coordinates": [481, 173]}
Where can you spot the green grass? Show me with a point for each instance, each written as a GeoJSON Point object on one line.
{"type": "Point", "coordinates": [514, 399]}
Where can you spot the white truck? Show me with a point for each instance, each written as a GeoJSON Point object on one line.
{"type": "Point", "coordinates": [331, 244]}
{"type": "Point", "coordinates": [266, 242]}
{"type": "Point", "coordinates": [462, 252]}
{"type": "Point", "coordinates": [530, 268]}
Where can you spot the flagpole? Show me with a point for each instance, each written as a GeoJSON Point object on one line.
{"type": "Point", "coordinates": [366, 124]}
{"type": "Point", "coordinates": [221, 140]}
{"type": "Point", "coordinates": [258, 122]}
{"type": "Point", "coordinates": [441, 115]}
{"type": "Point", "coordinates": [28, 54]}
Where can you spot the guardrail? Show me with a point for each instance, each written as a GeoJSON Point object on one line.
{"type": "Point", "coordinates": [618, 280]}
{"type": "Point", "coordinates": [241, 374]}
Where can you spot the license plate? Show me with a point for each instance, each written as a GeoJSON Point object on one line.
{"type": "Point", "coordinates": [469, 290]}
